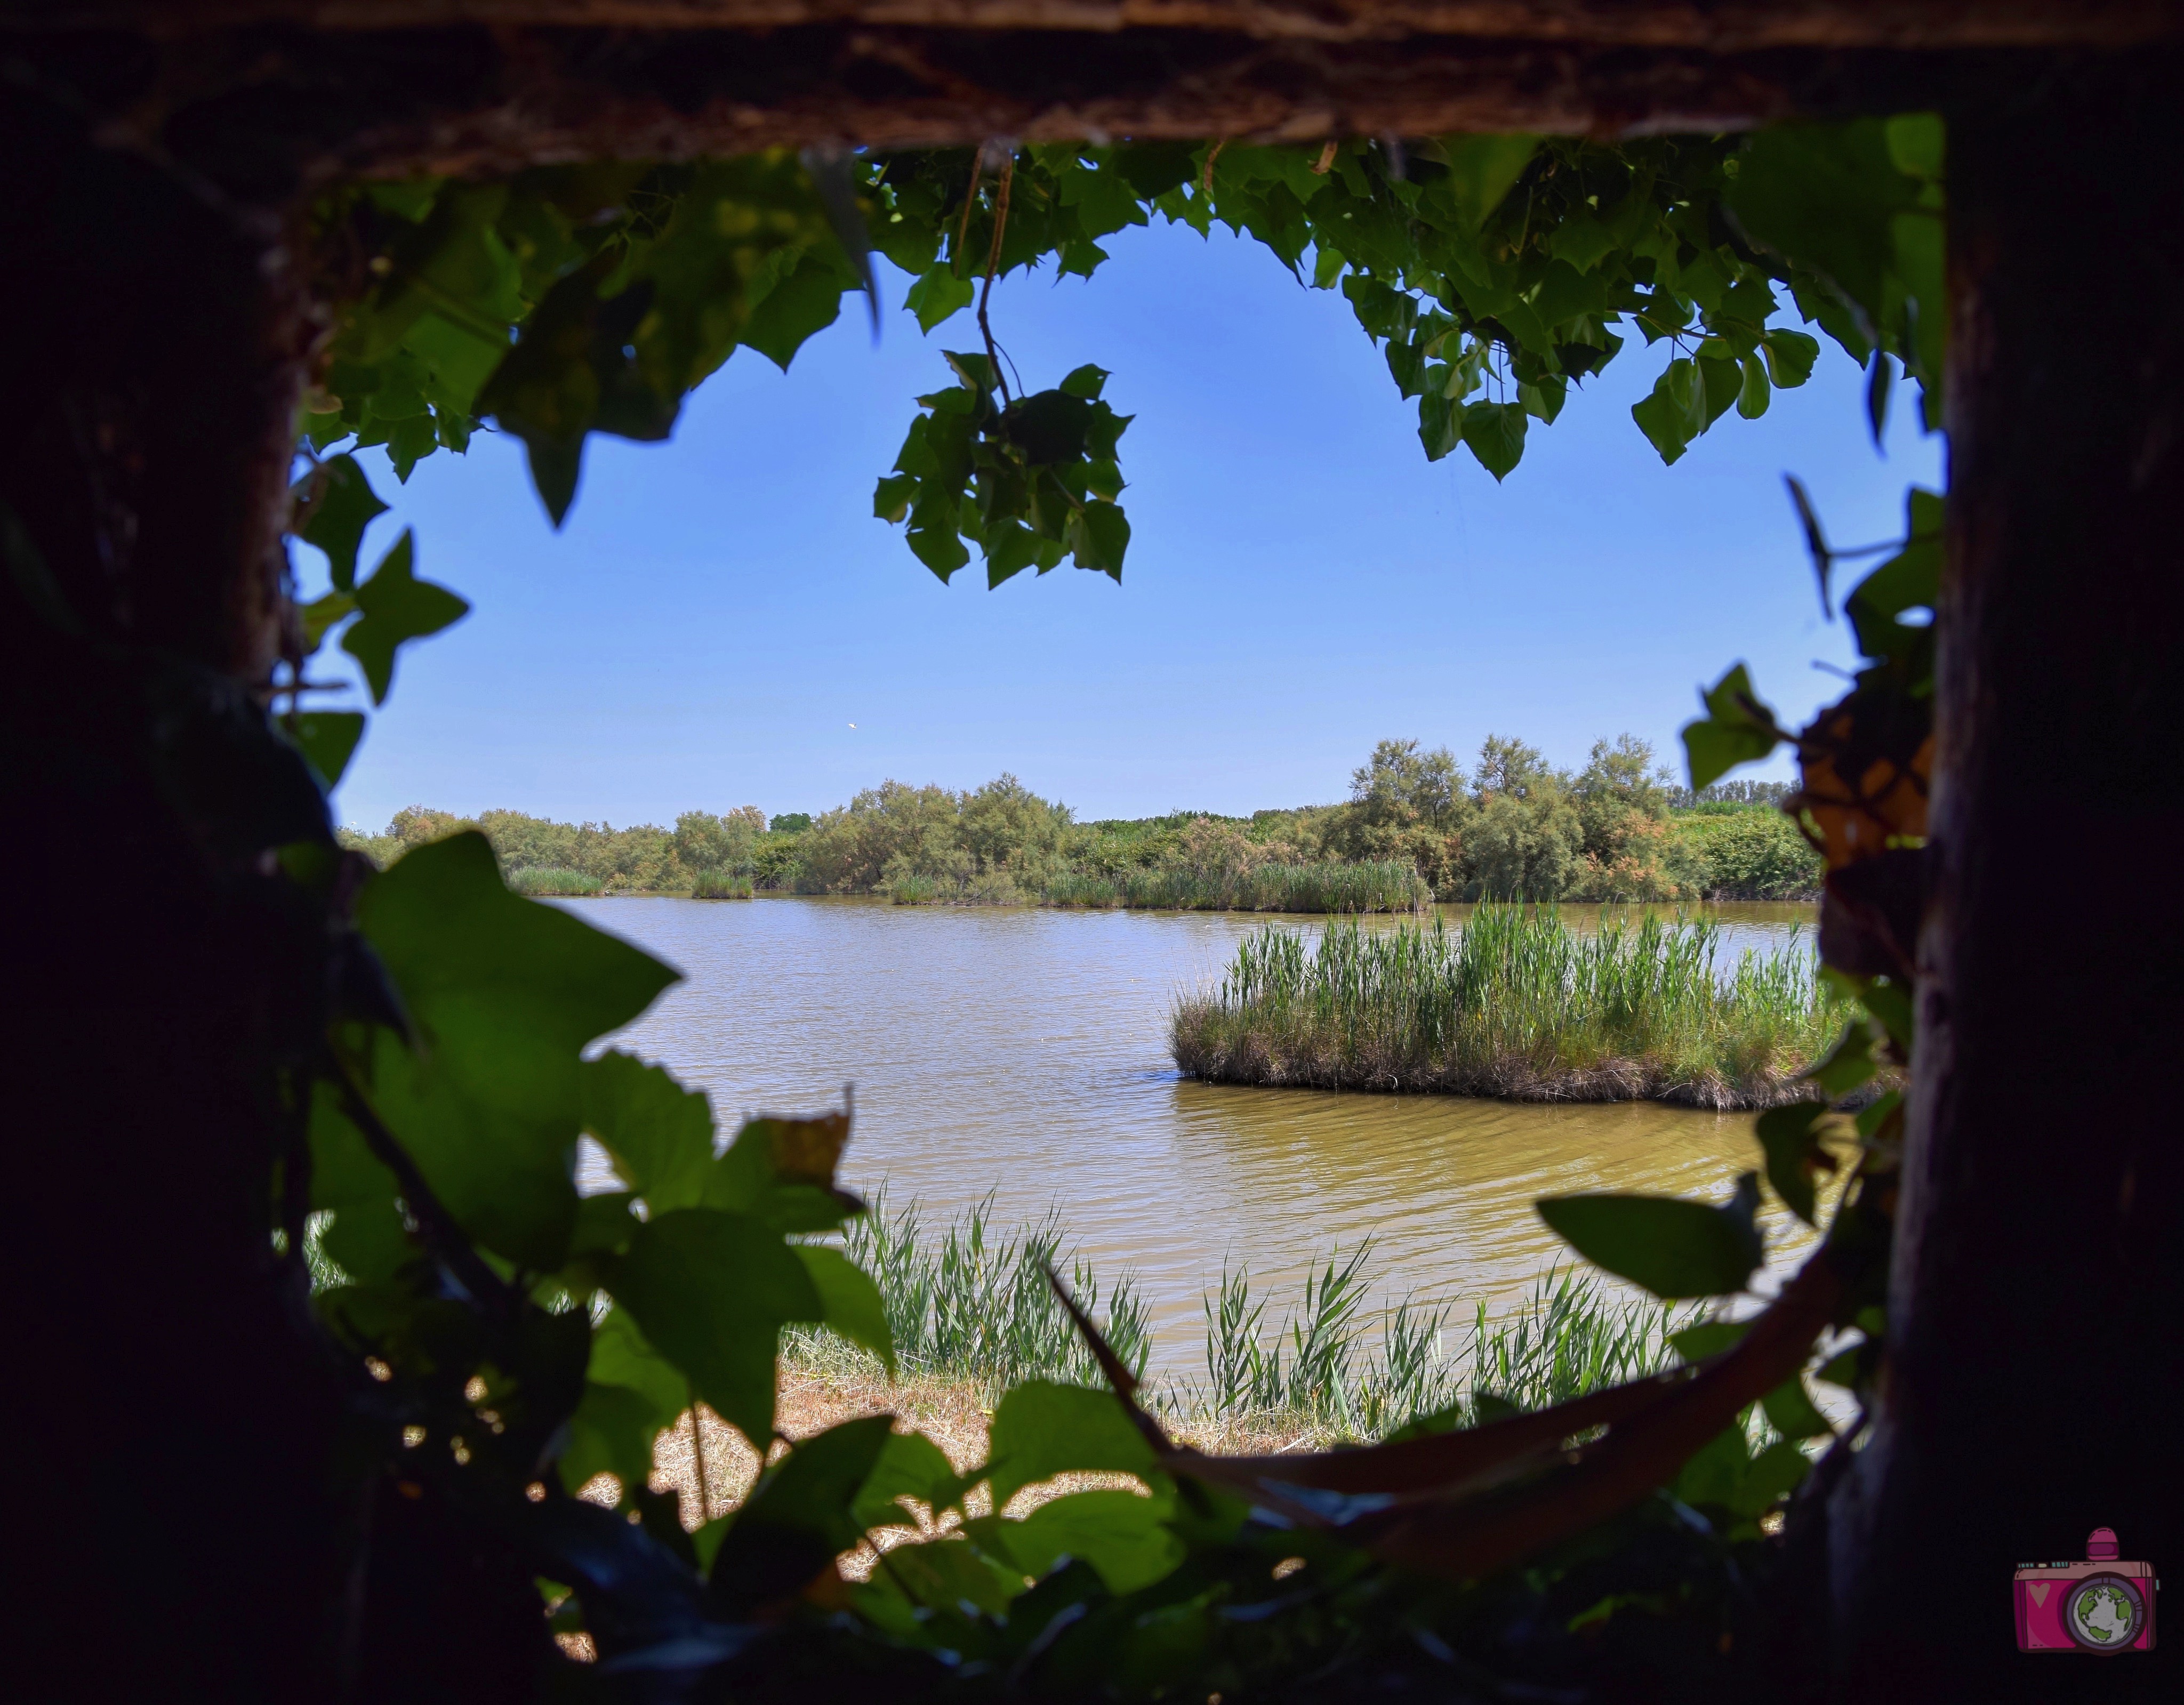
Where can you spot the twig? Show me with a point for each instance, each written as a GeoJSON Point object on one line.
{"type": "Point", "coordinates": [993, 260]}
{"type": "Point", "coordinates": [1321, 166]}
{"type": "Point", "coordinates": [446, 1239]}
{"type": "Point", "coordinates": [698, 1456]}
{"type": "Point", "coordinates": [970, 200]}
{"type": "Point", "coordinates": [1212, 154]}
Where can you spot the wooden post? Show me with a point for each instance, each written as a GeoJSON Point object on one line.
{"type": "Point", "coordinates": [2036, 1359]}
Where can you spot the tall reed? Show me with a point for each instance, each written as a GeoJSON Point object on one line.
{"type": "Point", "coordinates": [1516, 1004]}
{"type": "Point", "coordinates": [968, 1304]}
{"type": "Point", "coordinates": [540, 880]}
{"type": "Point", "coordinates": [1374, 885]}
{"type": "Point", "coordinates": [719, 885]}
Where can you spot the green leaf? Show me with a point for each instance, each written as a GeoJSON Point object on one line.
{"type": "Point", "coordinates": [799, 1516]}
{"type": "Point", "coordinates": [1823, 197]}
{"type": "Point", "coordinates": [1494, 433]}
{"type": "Point", "coordinates": [1673, 1248]}
{"type": "Point", "coordinates": [1754, 393]}
{"type": "Point", "coordinates": [1794, 1414]}
{"type": "Point", "coordinates": [850, 1300]}
{"type": "Point", "coordinates": [659, 1134]}
{"type": "Point", "coordinates": [1881, 379]}
{"type": "Point", "coordinates": [327, 738]}
{"type": "Point", "coordinates": [893, 496]}
{"type": "Point", "coordinates": [1736, 729]}
{"type": "Point", "coordinates": [1119, 1533]}
{"type": "Point", "coordinates": [910, 1466]}
{"type": "Point", "coordinates": [1709, 1338]}
{"type": "Point", "coordinates": [344, 507]}
{"type": "Point", "coordinates": [1847, 1065]}
{"type": "Point", "coordinates": [1770, 1477]}
{"type": "Point", "coordinates": [1482, 171]}
{"type": "Point", "coordinates": [397, 608]}
{"type": "Point", "coordinates": [805, 301]}
{"type": "Point", "coordinates": [622, 1355]}
{"type": "Point", "coordinates": [1675, 412]}
{"type": "Point", "coordinates": [937, 294]}
{"type": "Point", "coordinates": [320, 616]}
{"type": "Point", "coordinates": [1099, 535]}
{"type": "Point", "coordinates": [1790, 356]}
{"type": "Point", "coordinates": [1710, 1478]}
{"type": "Point", "coordinates": [1790, 1136]}
{"type": "Point", "coordinates": [1085, 382]}
{"type": "Point", "coordinates": [1041, 1430]}
{"type": "Point", "coordinates": [604, 1224]}
{"type": "Point", "coordinates": [368, 1241]}
{"type": "Point", "coordinates": [612, 1432]}
{"type": "Point", "coordinates": [712, 1291]}
{"type": "Point", "coordinates": [447, 929]}
{"type": "Point", "coordinates": [504, 993]}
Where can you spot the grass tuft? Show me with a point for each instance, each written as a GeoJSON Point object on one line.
{"type": "Point", "coordinates": [1514, 1004]}
{"type": "Point", "coordinates": [539, 881]}
{"type": "Point", "coordinates": [970, 1307]}
{"type": "Point", "coordinates": [719, 885]}
{"type": "Point", "coordinates": [1375, 885]}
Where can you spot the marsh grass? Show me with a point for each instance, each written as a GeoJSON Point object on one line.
{"type": "Point", "coordinates": [539, 881]}
{"type": "Point", "coordinates": [969, 1309]}
{"type": "Point", "coordinates": [1376, 885]}
{"type": "Point", "coordinates": [719, 885]}
{"type": "Point", "coordinates": [1514, 1004]}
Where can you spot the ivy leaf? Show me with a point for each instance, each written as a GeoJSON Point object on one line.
{"type": "Point", "coordinates": [1794, 1414]}
{"type": "Point", "coordinates": [803, 302]}
{"type": "Point", "coordinates": [1119, 1533]}
{"type": "Point", "coordinates": [1671, 1247]}
{"type": "Point", "coordinates": [712, 1291]}
{"type": "Point", "coordinates": [343, 509]}
{"type": "Point", "coordinates": [1675, 412]}
{"type": "Point", "coordinates": [397, 607]}
{"type": "Point", "coordinates": [1790, 1138]}
{"type": "Point", "coordinates": [612, 1432]}
{"type": "Point", "coordinates": [1847, 1065]}
{"type": "Point", "coordinates": [910, 1466]}
{"type": "Point", "coordinates": [1085, 382]}
{"type": "Point", "coordinates": [1736, 729]}
{"type": "Point", "coordinates": [659, 1134]}
{"type": "Point", "coordinates": [328, 740]}
{"type": "Point", "coordinates": [799, 1517]}
{"type": "Point", "coordinates": [1041, 1430]}
{"type": "Point", "coordinates": [849, 1300]}
{"type": "Point", "coordinates": [1709, 1338]}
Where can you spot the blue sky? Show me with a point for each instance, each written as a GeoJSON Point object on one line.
{"type": "Point", "coordinates": [720, 610]}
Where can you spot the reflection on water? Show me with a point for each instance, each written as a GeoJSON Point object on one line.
{"type": "Point", "coordinates": [1023, 1053]}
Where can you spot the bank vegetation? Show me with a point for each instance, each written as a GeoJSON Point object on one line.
{"type": "Point", "coordinates": [1418, 827]}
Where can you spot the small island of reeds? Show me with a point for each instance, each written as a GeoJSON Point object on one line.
{"type": "Point", "coordinates": [1514, 1004]}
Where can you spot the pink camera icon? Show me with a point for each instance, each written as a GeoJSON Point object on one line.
{"type": "Point", "coordinates": [2102, 1605]}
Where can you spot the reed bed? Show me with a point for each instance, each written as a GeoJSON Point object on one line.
{"type": "Point", "coordinates": [1374, 885]}
{"type": "Point", "coordinates": [1515, 1004]}
{"type": "Point", "coordinates": [541, 881]}
{"type": "Point", "coordinates": [719, 885]}
{"type": "Point", "coordinates": [970, 1308]}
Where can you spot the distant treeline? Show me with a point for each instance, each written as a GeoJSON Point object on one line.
{"type": "Point", "coordinates": [1511, 824]}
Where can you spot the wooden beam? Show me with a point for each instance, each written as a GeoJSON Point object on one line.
{"type": "Point", "coordinates": [1737, 27]}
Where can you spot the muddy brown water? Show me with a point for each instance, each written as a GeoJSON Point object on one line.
{"type": "Point", "coordinates": [1023, 1053]}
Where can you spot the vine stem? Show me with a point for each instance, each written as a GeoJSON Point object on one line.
{"type": "Point", "coordinates": [993, 261]}
{"type": "Point", "coordinates": [449, 1245]}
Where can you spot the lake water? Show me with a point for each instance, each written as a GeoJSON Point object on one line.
{"type": "Point", "coordinates": [1023, 1053]}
